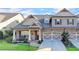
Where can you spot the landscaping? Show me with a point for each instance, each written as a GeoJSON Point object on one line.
{"type": "Point", "coordinates": [7, 44]}
{"type": "Point", "coordinates": [19, 46]}
{"type": "Point", "coordinates": [67, 43]}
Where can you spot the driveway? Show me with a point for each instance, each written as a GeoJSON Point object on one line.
{"type": "Point", "coordinates": [75, 42]}
{"type": "Point", "coordinates": [53, 45]}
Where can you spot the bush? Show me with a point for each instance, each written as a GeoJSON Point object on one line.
{"type": "Point", "coordinates": [1, 35]}
{"type": "Point", "coordinates": [9, 39]}
{"type": "Point", "coordinates": [40, 41]}
{"type": "Point", "coordinates": [15, 42]}
{"type": "Point", "coordinates": [25, 40]}
{"type": "Point", "coordinates": [9, 32]}
{"type": "Point", "coordinates": [65, 37]}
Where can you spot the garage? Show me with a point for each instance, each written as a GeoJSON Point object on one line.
{"type": "Point", "coordinates": [56, 34]}
{"type": "Point", "coordinates": [52, 35]}
{"type": "Point", "coordinates": [47, 35]}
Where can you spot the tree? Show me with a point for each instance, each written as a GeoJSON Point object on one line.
{"type": "Point", "coordinates": [65, 37]}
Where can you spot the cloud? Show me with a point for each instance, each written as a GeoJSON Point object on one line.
{"type": "Point", "coordinates": [28, 12]}
{"type": "Point", "coordinates": [36, 11]}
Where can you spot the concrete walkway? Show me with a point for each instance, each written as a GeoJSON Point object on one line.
{"type": "Point", "coordinates": [75, 42]}
{"type": "Point", "coordinates": [53, 45]}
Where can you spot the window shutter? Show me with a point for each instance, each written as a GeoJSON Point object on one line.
{"type": "Point", "coordinates": [55, 21]}
{"type": "Point", "coordinates": [73, 21]}
{"type": "Point", "coordinates": [60, 21]}
{"type": "Point", "coordinates": [67, 21]}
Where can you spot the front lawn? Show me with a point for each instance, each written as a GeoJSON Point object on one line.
{"type": "Point", "coordinates": [71, 47]}
{"type": "Point", "coordinates": [19, 46]}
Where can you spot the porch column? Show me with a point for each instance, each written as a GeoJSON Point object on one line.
{"type": "Point", "coordinates": [14, 35]}
{"type": "Point", "coordinates": [39, 34]}
{"type": "Point", "coordinates": [29, 35]}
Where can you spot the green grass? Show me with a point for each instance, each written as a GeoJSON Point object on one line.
{"type": "Point", "coordinates": [20, 46]}
{"type": "Point", "coordinates": [71, 47]}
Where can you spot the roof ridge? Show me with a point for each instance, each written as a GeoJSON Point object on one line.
{"type": "Point", "coordinates": [64, 10]}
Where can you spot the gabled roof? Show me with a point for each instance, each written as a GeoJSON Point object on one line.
{"type": "Point", "coordinates": [6, 16]}
{"type": "Point", "coordinates": [64, 12]}
{"type": "Point", "coordinates": [29, 22]}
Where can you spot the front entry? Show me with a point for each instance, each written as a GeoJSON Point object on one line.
{"type": "Point", "coordinates": [34, 35]}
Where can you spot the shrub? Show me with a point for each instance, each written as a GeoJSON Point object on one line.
{"type": "Point", "coordinates": [1, 35]}
{"type": "Point", "coordinates": [15, 42]}
{"type": "Point", "coordinates": [9, 39]}
{"type": "Point", "coordinates": [40, 41]}
{"type": "Point", "coordinates": [9, 32]}
{"type": "Point", "coordinates": [25, 40]}
{"type": "Point", "coordinates": [65, 37]}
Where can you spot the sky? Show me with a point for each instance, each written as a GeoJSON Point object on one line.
{"type": "Point", "coordinates": [37, 11]}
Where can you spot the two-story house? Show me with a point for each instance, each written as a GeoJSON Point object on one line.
{"type": "Point", "coordinates": [37, 27]}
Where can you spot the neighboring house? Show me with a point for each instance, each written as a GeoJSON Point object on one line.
{"type": "Point", "coordinates": [10, 20]}
{"type": "Point", "coordinates": [38, 27]}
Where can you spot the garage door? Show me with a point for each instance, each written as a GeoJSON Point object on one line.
{"type": "Point", "coordinates": [72, 35]}
{"type": "Point", "coordinates": [47, 35]}
{"type": "Point", "coordinates": [57, 35]}
{"type": "Point", "coordinates": [52, 35]}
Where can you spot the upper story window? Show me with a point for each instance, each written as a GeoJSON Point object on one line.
{"type": "Point", "coordinates": [50, 21]}
{"type": "Point", "coordinates": [58, 21]}
{"type": "Point", "coordinates": [46, 20]}
{"type": "Point", "coordinates": [70, 21]}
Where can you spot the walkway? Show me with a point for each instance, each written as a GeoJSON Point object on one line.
{"type": "Point", "coordinates": [53, 45]}
{"type": "Point", "coordinates": [75, 42]}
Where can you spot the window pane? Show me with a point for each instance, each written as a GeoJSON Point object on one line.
{"type": "Point", "coordinates": [71, 21]}
{"type": "Point", "coordinates": [58, 21]}
{"type": "Point", "coordinates": [46, 20]}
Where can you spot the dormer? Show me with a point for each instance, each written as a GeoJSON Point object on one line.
{"type": "Point", "coordinates": [46, 20]}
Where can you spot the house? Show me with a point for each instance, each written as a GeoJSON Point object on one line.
{"type": "Point", "coordinates": [10, 20]}
{"type": "Point", "coordinates": [38, 27]}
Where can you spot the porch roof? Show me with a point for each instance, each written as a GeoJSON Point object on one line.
{"type": "Point", "coordinates": [24, 27]}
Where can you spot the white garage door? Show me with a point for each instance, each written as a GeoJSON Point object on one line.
{"type": "Point", "coordinates": [51, 35]}
{"type": "Point", "coordinates": [57, 35]}
{"type": "Point", "coordinates": [47, 35]}
{"type": "Point", "coordinates": [72, 35]}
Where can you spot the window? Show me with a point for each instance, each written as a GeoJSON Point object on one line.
{"type": "Point", "coordinates": [46, 20]}
{"type": "Point", "coordinates": [58, 21]}
{"type": "Point", "coordinates": [70, 21]}
{"type": "Point", "coordinates": [50, 21]}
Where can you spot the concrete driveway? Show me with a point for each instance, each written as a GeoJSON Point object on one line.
{"type": "Point", "coordinates": [52, 45]}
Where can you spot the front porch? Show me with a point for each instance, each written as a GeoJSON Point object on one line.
{"type": "Point", "coordinates": [28, 34]}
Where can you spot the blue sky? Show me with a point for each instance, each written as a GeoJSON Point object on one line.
{"type": "Point", "coordinates": [37, 11]}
